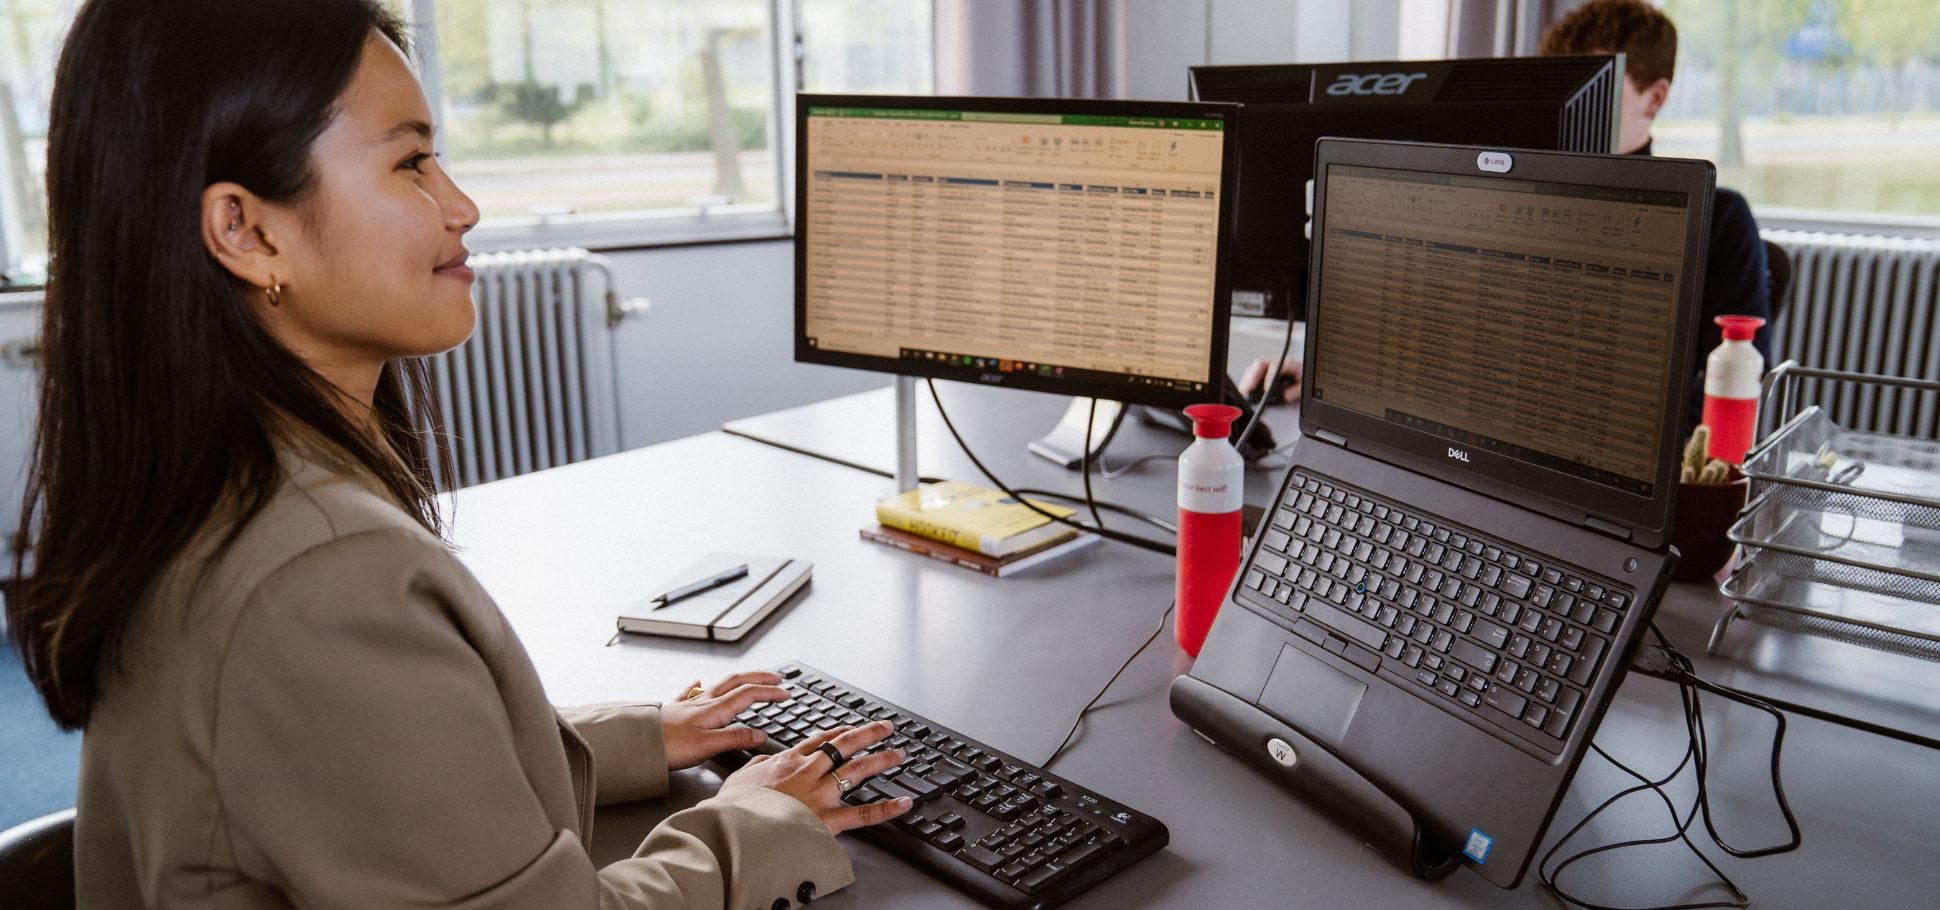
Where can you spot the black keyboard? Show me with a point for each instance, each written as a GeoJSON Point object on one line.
{"type": "Point", "coordinates": [1490, 632]}
{"type": "Point", "coordinates": [1007, 833]}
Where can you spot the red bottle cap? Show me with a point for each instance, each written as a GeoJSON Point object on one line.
{"type": "Point", "coordinates": [1740, 328]}
{"type": "Point", "coordinates": [1212, 421]}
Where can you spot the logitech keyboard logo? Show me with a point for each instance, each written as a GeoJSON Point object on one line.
{"type": "Point", "coordinates": [1347, 84]}
{"type": "Point", "coordinates": [1458, 454]}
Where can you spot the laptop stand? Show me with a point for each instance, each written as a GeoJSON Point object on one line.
{"type": "Point", "coordinates": [1307, 770]}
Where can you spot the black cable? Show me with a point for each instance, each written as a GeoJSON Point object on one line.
{"type": "Point", "coordinates": [1697, 757]}
{"type": "Point", "coordinates": [1084, 465]}
{"type": "Point", "coordinates": [1266, 385]}
{"type": "Point", "coordinates": [1080, 719]}
{"type": "Point", "coordinates": [1119, 536]}
{"type": "Point", "coordinates": [1146, 517]}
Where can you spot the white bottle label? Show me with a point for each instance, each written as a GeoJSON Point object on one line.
{"type": "Point", "coordinates": [1212, 478]}
{"type": "Point", "coordinates": [1734, 370]}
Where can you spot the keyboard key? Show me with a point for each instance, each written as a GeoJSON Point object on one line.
{"type": "Point", "coordinates": [1606, 621]}
{"type": "Point", "coordinates": [1041, 878]}
{"type": "Point", "coordinates": [1474, 655]}
{"type": "Point", "coordinates": [1559, 716]}
{"type": "Point", "coordinates": [1076, 855]}
{"type": "Point", "coordinates": [1586, 665]}
{"type": "Point", "coordinates": [1506, 701]}
{"type": "Point", "coordinates": [981, 857]}
{"type": "Point", "coordinates": [1347, 624]}
{"type": "Point", "coordinates": [1271, 563]}
{"type": "Point", "coordinates": [1516, 586]}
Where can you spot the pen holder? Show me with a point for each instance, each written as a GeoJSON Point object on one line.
{"type": "Point", "coordinates": [1705, 511]}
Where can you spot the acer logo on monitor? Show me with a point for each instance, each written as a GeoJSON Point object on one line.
{"type": "Point", "coordinates": [1347, 84]}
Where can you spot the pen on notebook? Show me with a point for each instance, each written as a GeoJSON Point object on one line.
{"type": "Point", "coordinates": [706, 584]}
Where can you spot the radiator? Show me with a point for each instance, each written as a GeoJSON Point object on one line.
{"type": "Point", "coordinates": [534, 387]}
{"type": "Point", "coordinates": [1867, 305]}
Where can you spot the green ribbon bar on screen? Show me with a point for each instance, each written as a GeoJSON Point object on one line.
{"type": "Point", "coordinates": [886, 113]}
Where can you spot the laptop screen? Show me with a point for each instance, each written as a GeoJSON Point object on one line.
{"type": "Point", "coordinates": [1533, 320]}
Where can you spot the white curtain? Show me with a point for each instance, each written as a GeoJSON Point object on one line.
{"type": "Point", "coordinates": [1034, 48]}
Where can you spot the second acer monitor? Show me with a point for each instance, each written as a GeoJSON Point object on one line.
{"type": "Point", "coordinates": [1552, 103]}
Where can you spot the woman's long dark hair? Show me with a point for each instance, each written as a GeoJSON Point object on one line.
{"type": "Point", "coordinates": [161, 391]}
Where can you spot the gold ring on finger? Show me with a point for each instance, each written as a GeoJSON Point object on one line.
{"type": "Point", "coordinates": [693, 693]}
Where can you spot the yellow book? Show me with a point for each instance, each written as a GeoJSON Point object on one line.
{"type": "Point", "coordinates": [973, 517]}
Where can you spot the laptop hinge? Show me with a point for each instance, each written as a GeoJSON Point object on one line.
{"type": "Point", "coordinates": [1607, 527]}
{"type": "Point", "coordinates": [1330, 436]}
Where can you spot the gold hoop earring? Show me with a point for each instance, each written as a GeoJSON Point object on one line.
{"type": "Point", "coordinates": [275, 293]}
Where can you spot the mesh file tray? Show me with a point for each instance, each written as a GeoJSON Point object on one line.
{"type": "Point", "coordinates": [1841, 538]}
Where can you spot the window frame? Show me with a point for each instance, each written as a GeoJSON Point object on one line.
{"type": "Point", "coordinates": [648, 228]}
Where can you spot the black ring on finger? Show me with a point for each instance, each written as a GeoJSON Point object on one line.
{"type": "Point", "coordinates": [834, 754]}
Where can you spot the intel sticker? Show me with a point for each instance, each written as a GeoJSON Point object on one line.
{"type": "Point", "coordinates": [1478, 846]}
{"type": "Point", "coordinates": [1495, 162]}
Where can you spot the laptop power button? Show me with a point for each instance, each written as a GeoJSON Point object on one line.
{"type": "Point", "coordinates": [1281, 751]}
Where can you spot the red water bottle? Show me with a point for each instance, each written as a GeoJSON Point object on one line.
{"type": "Point", "coordinates": [1212, 482]}
{"type": "Point", "coordinates": [1732, 375]}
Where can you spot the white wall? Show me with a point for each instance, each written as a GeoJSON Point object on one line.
{"type": "Point", "coordinates": [1164, 37]}
{"type": "Point", "coordinates": [718, 343]}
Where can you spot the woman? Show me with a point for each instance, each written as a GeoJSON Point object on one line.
{"type": "Point", "coordinates": [292, 694]}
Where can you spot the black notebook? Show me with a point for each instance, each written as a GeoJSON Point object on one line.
{"type": "Point", "coordinates": [725, 613]}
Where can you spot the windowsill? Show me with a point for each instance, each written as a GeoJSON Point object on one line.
{"type": "Point", "coordinates": [1925, 226]}
{"type": "Point", "coordinates": [635, 231]}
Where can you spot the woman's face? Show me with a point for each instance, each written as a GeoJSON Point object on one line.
{"type": "Point", "coordinates": [377, 267]}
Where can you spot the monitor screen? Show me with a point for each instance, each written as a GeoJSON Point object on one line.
{"type": "Point", "coordinates": [1561, 103]}
{"type": "Point", "coordinates": [1066, 246]}
{"type": "Point", "coordinates": [1534, 320]}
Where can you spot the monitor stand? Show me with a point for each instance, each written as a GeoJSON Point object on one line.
{"type": "Point", "coordinates": [1066, 444]}
{"type": "Point", "coordinates": [906, 476]}
{"type": "Point", "coordinates": [1258, 446]}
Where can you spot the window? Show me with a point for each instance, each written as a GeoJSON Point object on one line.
{"type": "Point", "coordinates": [1810, 104]}
{"type": "Point", "coordinates": [559, 108]}
{"type": "Point", "coordinates": [30, 46]}
{"type": "Point", "coordinates": [597, 122]}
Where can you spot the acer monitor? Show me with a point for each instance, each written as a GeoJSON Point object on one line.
{"type": "Point", "coordinates": [1079, 247]}
{"type": "Point", "coordinates": [1551, 103]}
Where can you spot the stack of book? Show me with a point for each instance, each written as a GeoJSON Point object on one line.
{"type": "Point", "coordinates": [975, 527]}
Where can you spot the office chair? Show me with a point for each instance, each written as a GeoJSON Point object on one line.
{"type": "Point", "coordinates": [1778, 278]}
{"type": "Point", "coordinates": [37, 863]}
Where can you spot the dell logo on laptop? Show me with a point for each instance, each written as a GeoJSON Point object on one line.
{"type": "Point", "coordinates": [1458, 454]}
{"type": "Point", "coordinates": [1374, 83]}
{"type": "Point", "coordinates": [1495, 162]}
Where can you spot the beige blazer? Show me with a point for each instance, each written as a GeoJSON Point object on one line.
{"type": "Point", "coordinates": [334, 714]}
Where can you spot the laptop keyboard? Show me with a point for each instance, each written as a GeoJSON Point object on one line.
{"type": "Point", "coordinates": [1007, 832]}
{"type": "Point", "coordinates": [1490, 631]}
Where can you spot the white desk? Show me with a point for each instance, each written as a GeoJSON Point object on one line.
{"type": "Point", "coordinates": [1011, 661]}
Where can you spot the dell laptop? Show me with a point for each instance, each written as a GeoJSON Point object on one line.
{"type": "Point", "coordinates": [1474, 529]}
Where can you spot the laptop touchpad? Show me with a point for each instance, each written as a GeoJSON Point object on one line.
{"type": "Point", "coordinates": [1317, 699]}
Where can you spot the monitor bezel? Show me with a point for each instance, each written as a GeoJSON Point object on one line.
{"type": "Point", "coordinates": [1124, 389]}
{"type": "Point", "coordinates": [1645, 519]}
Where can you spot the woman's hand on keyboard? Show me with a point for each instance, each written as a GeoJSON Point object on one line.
{"type": "Point", "coordinates": [695, 724]}
{"type": "Point", "coordinates": [806, 773]}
